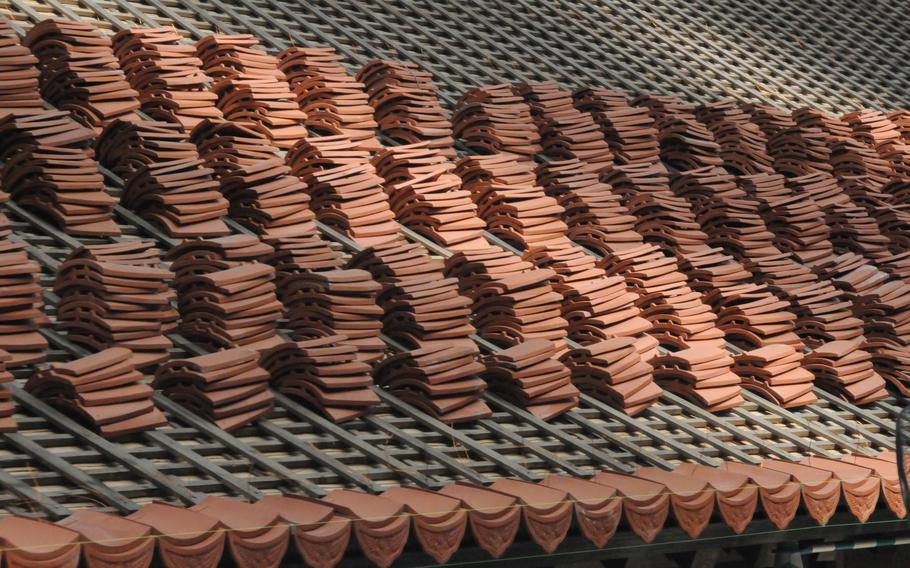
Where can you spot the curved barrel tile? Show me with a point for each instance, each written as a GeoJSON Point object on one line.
{"type": "Point", "coordinates": [598, 508]}
{"type": "Point", "coordinates": [886, 470]}
{"type": "Point", "coordinates": [439, 521]}
{"type": "Point", "coordinates": [31, 543]}
{"type": "Point", "coordinates": [256, 537]}
{"type": "Point", "coordinates": [692, 499]}
{"type": "Point", "coordinates": [494, 517]}
{"type": "Point", "coordinates": [547, 512]}
{"type": "Point", "coordinates": [858, 483]}
{"type": "Point", "coordinates": [737, 496]}
{"type": "Point", "coordinates": [110, 541]}
{"type": "Point", "coordinates": [779, 494]}
{"type": "Point", "coordinates": [646, 504]}
{"type": "Point", "coordinates": [320, 534]}
{"type": "Point", "coordinates": [186, 539]}
{"type": "Point", "coordinates": [821, 490]}
{"type": "Point", "coordinates": [380, 525]}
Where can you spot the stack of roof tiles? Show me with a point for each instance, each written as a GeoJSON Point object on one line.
{"type": "Point", "coordinates": [117, 295]}
{"type": "Point", "coordinates": [494, 119]}
{"type": "Point", "coordinates": [701, 374]}
{"type": "Point", "coordinates": [165, 179]}
{"type": "Point", "coordinates": [19, 94]}
{"type": "Point", "coordinates": [103, 390]}
{"type": "Point", "coordinates": [845, 368]}
{"type": "Point", "coordinates": [406, 104]}
{"type": "Point", "coordinates": [228, 146]}
{"type": "Point", "coordinates": [345, 191]}
{"type": "Point", "coordinates": [7, 406]}
{"type": "Point", "coordinates": [332, 99]}
{"type": "Point", "coordinates": [442, 380]}
{"type": "Point", "coordinates": [614, 371]}
{"type": "Point", "coordinates": [227, 387]}
{"type": "Point", "coordinates": [167, 74]}
{"type": "Point", "coordinates": [80, 73]}
{"type": "Point", "coordinates": [511, 203]}
{"type": "Point", "coordinates": [327, 372]}
{"type": "Point", "coordinates": [629, 130]}
{"type": "Point", "coordinates": [251, 88]}
{"type": "Point", "coordinates": [594, 213]}
{"type": "Point", "coordinates": [428, 198]}
{"type": "Point", "coordinates": [566, 132]}
{"type": "Point", "coordinates": [685, 143]}
{"type": "Point", "coordinates": [677, 313]}
{"type": "Point", "coordinates": [531, 376]}
{"type": "Point", "coordinates": [335, 302]}
{"type": "Point", "coordinates": [48, 167]}
{"type": "Point", "coordinates": [512, 300]}
{"type": "Point", "coordinates": [769, 119]}
{"type": "Point", "coordinates": [774, 372]}
{"type": "Point", "coordinates": [743, 145]}
{"type": "Point", "coordinates": [421, 306]}
{"type": "Point", "coordinates": [21, 309]}
{"type": "Point", "coordinates": [226, 297]}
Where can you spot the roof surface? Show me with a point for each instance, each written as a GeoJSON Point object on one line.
{"type": "Point", "coordinates": [282, 443]}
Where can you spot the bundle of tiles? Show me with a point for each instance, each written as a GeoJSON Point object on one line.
{"type": "Point", "coordinates": [227, 387]}
{"type": "Point", "coordinates": [615, 372]}
{"type": "Point", "coordinates": [845, 368]}
{"type": "Point", "coordinates": [165, 179]}
{"type": "Point", "coordinates": [336, 302]}
{"type": "Point", "coordinates": [407, 105]}
{"type": "Point", "coordinates": [228, 146]}
{"type": "Point", "coordinates": [7, 406]}
{"type": "Point", "coordinates": [494, 119]}
{"type": "Point", "coordinates": [513, 301]}
{"type": "Point", "coordinates": [168, 76]}
{"type": "Point", "coordinates": [702, 375]}
{"type": "Point", "coordinates": [21, 309]}
{"type": "Point", "coordinates": [242, 310]}
{"type": "Point", "coordinates": [104, 391]}
{"type": "Point", "coordinates": [775, 372]}
{"type": "Point", "coordinates": [748, 313]}
{"type": "Point", "coordinates": [566, 132]}
{"type": "Point", "coordinates": [901, 119]}
{"type": "Point", "coordinates": [798, 151]}
{"type": "Point", "coordinates": [677, 313]}
{"type": "Point", "coordinates": [345, 193]}
{"type": "Point", "coordinates": [442, 380]}
{"type": "Point", "coordinates": [852, 158]}
{"type": "Point", "coordinates": [796, 220]}
{"type": "Point", "coordinates": [823, 312]}
{"type": "Point", "coordinates": [427, 196]}
{"type": "Point", "coordinates": [743, 145]}
{"type": "Point", "coordinates": [333, 100]}
{"type": "Point", "coordinates": [235, 307]}
{"type": "Point", "coordinates": [832, 126]}
{"type": "Point", "coordinates": [594, 213]}
{"type": "Point", "coordinates": [326, 372]}
{"type": "Point", "coordinates": [595, 305]}
{"type": "Point", "coordinates": [685, 143]}
{"type": "Point", "coordinates": [117, 295]}
{"type": "Point", "coordinates": [294, 255]}
{"type": "Point", "coordinates": [629, 130]}
{"type": "Point", "coordinates": [511, 203]}
{"type": "Point", "coordinates": [251, 88]}
{"type": "Point", "coordinates": [203, 256]}
{"type": "Point", "coordinates": [80, 73]}
{"type": "Point", "coordinates": [19, 94]}
{"type": "Point", "coordinates": [420, 305]}
{"type": "Point", "coordinates": [531, 376]}
{"type": "Point", "coordinates": [661, 217]}
{"type": "Point", "coordinates": [769, 119]}
{"type": "Point", "coordinates": [48, 167]}
{"type": "Point", "coordinates": [268, 200]}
